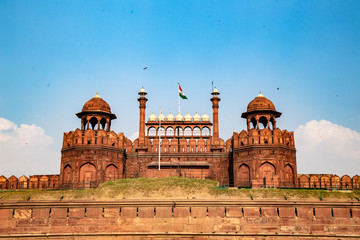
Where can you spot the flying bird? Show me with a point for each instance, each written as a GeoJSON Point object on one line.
{"type": "Point", "coordinates": [28, 199]}
{"type": "Point", "coordinates": [145, 68]}
{"type": "Point", "coordinates": [278, 88]}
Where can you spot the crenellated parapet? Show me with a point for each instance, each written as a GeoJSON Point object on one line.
{"type": "Point", "coordinates": [95, 138]}
{"type": "Point", "coordinates": [31, 182]}
{"type": "Point", "coordinates": [265, 137]}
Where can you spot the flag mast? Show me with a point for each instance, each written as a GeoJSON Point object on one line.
{"type": "Point", "coordinates": [179, 96]}
{"type": "Point", "coordinates": [159, 138]}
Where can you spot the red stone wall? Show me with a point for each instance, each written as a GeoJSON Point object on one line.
{"type": "Point", "coordinates": [181, 220]}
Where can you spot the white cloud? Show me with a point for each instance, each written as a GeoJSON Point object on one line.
{"type": "Point", "coordinates": [26, 150]}
{"type": "Point", "coordinates": [325, 147]}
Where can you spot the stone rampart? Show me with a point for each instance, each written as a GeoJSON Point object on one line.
{"type": "Point", "coordinates": [180, 219]}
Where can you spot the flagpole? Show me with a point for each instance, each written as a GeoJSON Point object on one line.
{"type": "Point", "coordinates": [179, 96]}
{"type": "Point", "coordinates": [159, 138]}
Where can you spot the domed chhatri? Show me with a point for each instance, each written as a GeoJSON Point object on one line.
{"type": "Point", "coordinates": [187, 117]}
{"type": "Point", "coordinates": [170, 117]}
{"type": "Point", "coordinates": [196, 117]}
{"type": "Point", "coordinates": [205, 117]}
{"type": "Point", "coordinates": [261, 104]}
{"type": "Point", "coordinates": [152, 117]}
{"type": "Point", "coordinates": [161, 117]}
{"type": "Point", "coordinates": [179, 117]}
{"type": "Point", "coordinates": [96, 104]}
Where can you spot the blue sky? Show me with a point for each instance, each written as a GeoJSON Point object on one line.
{"type": "Point", "coordinates": [55, 55]}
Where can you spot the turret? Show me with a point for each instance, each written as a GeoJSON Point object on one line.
{"type": "Point", "coordinates": [142, 105]}
{"type": "Point", "coordinates": [215, 106]}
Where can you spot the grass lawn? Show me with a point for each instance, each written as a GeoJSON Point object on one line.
{"type": "Point", "coordinates": [173, 188]}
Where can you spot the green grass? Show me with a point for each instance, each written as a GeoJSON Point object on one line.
{"type": "Point", "coordinates": [173, 187]}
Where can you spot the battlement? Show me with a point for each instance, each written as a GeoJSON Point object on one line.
{"type": "Point", "coordinates": [91, 137]}
{"type": "Point", "coordinates": [329, 181]}
{"type": "Point", "coordinates": [33, 182]}
{"type": "Point", "coordinates": [265, 136]}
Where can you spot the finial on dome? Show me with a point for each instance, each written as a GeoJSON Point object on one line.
{"type": "Point", "coordinates": [260, 95]}
{"type": "Point", "coordinates": [97, 95]}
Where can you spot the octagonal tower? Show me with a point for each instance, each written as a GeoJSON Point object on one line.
{"type": "Point", "coordinates": [263, 155]}
{"type": "Point", "coordinates": [92, 154]}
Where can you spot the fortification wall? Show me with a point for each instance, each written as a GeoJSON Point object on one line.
{"type": "Point", "coordinates": [180, 219]}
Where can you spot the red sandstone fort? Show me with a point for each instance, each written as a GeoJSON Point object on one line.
{"type": "Point", "coordinates": [263, 155]}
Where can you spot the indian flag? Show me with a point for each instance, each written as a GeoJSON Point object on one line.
{"type": "Point", "coordinates": [181, 93]}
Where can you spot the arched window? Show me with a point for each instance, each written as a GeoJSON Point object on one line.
{"type": "Point", "coordinates": [272, 121]}
{"type": "Point", "coordinates": [196, 132]}
{"type": "Point", "coordinates": [205, 131]}
{"type": "Point", "coordinates": [161, 131]}
{"type": "Point", "coordinates": [152, 131]}
{"type": "Point", "coordinates": [187, 131]}
{"type": "Point", "coordinates": [93, 121]}
{"type": "Point", "coordinates": [103, 123]}
{"type": "Point", "coordinates": [179, 131]}
{"type": "Point", "coordinates": [169, 131]}
{"type": "Point", "coordinates": [264, 122]}
{"type": "Point", "coordinates": [85, 124]}
{"type": "Point", "coordinates": [253, 121]}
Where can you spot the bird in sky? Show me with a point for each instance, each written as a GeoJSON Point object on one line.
{"type": "Point", "coordinates": [145, 68]}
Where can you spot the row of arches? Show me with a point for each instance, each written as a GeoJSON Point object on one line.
{"type": "Point", "coordinates": [33, 182]}
{"type": "Point", "coordinates": [262, 122]}
{"type": "Point", "coordinates": [267, 172]}
{"type": "Point", "coordinates": [329, 182]}
{"type": "Point", "coordinates": [95, 123]}
{"type": "Point", "coordinates": [88, 173]}
{"type": "Point", "coordinates": [179, 131]}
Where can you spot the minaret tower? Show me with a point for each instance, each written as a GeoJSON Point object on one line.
{"type": "Point", "coordinates": [215, 106]}
{"type": "Point", "coordinates": [142, 105]}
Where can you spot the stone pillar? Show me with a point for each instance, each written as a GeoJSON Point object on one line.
{"type": "Point", "coordinates": [107, 125]}
{"type": "Point", "coordinates": [98, 119]}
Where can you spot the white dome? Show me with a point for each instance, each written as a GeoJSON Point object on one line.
{"type": "Point", "coordinates": [142, 90]}
{"type": "Point", "coordinates": [170, 117]}
{"type": "Point", "coordinates": [205, 117]}
{"type": "Point", "coordinates": [161, 117]}
{"type": "Point", "coordinates": [179, 117]}
{"type": "Point", "coordinates": [197, 117]}
{"type": "Point", "coordinates": [187, 117]}
{"type": "Point", "coordinates": [152, 117]}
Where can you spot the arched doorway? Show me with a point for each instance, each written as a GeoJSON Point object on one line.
{"type": "Point", "coordinates": [87, 174]}
{"type": "Point", "coordinates": [67, 174]}
{"type": "Point", "coordinates": [289, 176]}
{"type": "Point", "coordinates": [244, 175]}
{"type": "Point", "coordinates": [111, 173]}
{"type": "Point", "coordinates": [267, 173]}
